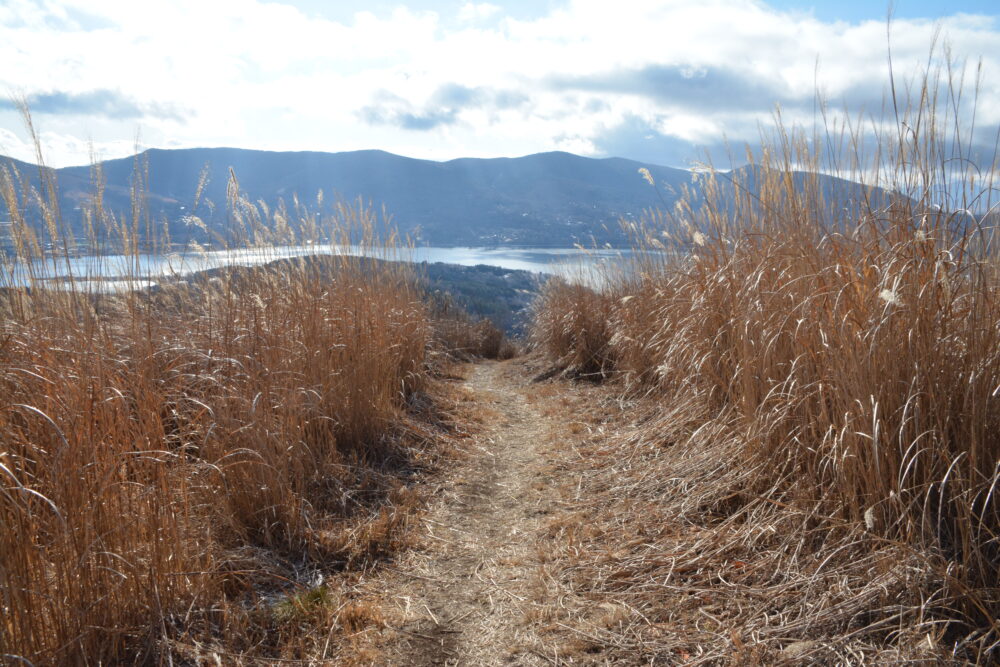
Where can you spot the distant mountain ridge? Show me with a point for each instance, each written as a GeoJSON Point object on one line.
{"type": "Point", "coordinates": [545, 199]}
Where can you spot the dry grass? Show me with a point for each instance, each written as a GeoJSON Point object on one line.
{"type": "Point", "coordinates": [572, 324]}
{"type": "Point", "coordinates": [465, 338]}
{"type": "Point", "coordinates": [182, 470]}
{"type": "Point", "coordinates": [824, 364]}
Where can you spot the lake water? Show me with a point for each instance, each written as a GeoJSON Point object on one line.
{"type": "Point", "coordinates": [116, 272]}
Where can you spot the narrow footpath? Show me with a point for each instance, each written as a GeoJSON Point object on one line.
{"type": "Point", "coordinates": [476, 591]}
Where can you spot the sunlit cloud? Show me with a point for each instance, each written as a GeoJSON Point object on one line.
{"type": "Point", "coordinates": [656, 80]}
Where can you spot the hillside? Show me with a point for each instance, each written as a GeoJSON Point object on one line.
{"type": "Point", "coordinates": [547, 199]}
{"type": "Point", "coordinates": [544, 199]}
{"type": "Point", "coordinates": [497, 294]}
{"type": "Point", "coordinates": [491, 292]}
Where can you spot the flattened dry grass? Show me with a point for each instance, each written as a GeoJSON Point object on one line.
{"type": "Point", "coordinates": [824, 359]}
{"type": "Point", "coordinates": [708, 568]}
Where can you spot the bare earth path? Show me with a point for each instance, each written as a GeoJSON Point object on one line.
{"type": "Point", "coordinates": [474, 592]}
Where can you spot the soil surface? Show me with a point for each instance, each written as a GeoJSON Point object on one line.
{"type": "Point", "coordinates": [474, 592]}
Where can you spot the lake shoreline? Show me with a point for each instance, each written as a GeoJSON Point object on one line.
{"type": "Point", "coordinates": [150, 267]}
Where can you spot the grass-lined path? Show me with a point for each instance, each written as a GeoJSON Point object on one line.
{"type": "Point", "coordinates": [476, 592]}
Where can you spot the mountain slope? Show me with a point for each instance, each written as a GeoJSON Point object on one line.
{"type": "Point", "coordinates": [547, 199]}
{"type": "Point", "coordinates": [543, 199]}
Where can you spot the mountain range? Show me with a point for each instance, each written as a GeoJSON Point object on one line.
{"type": "Point", "coordinates": [544, 200]}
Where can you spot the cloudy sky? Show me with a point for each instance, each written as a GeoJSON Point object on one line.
{"type": "Point", "coordinates": [653, 80]}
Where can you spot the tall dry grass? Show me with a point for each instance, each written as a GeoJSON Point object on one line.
{"type": "Point", "coordinates": [571, 323]}
{"type": "Point", "coordinates": [158, 448]}
{"type": "Point", "coordinates": [848, 337]}
{"type": "Point", "coordinates": [460, 336]}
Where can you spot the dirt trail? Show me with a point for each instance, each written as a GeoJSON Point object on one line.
{"type": "Point", "coordinates": [465, 596]}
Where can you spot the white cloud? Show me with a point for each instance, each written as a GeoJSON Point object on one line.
{"type": "Point", "coordinates": [477, 11]}
{"type": "Point", "coordinates": [267, 75]}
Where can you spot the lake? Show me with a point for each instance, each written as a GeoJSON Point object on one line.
{"type": "Point", "coordinates": [117, 272]}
